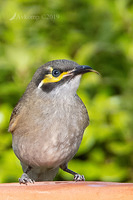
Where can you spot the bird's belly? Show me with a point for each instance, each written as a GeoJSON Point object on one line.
{"type": "Point", "coordinates": [50, 148]}
{"type": "Point", "coordinates": [51, 137]}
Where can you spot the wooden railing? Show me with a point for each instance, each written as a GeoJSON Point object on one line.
{"type": "Point", "coordinates": [67, 190]}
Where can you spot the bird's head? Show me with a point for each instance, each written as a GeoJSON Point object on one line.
{"type": "Point", "coordinates": [59, 74]}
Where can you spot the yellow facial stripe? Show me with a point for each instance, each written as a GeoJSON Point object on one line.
{"type": "Point", "coordinates": [51, 79]}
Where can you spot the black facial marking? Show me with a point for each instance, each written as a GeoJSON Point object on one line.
{"type": "Point", "coordinates": [48, 87]}
{"type": "Point", "coordinates": [42, 72]}
{"type": "Point", "coordinates": [41, 76]}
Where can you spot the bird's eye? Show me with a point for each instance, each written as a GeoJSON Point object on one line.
{"type": "Point", "coordinates": [56, 72]}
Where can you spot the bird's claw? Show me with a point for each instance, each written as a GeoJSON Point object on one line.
{"type": "Point", "coordinates": [78, 177]}
{"type": "Point", "coordinates": [25, 179]}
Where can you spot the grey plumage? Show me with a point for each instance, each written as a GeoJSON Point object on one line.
{"type": "Point", "coordinates": [48, 123]}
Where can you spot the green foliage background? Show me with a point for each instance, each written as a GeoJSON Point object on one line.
{"type": "Point", "coordinates": [98, 33]}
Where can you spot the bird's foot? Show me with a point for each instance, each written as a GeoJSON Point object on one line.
{"type": "Point", "coordinates": [78, 177]}
{"type": "Point", "coordinates": [25, 179]}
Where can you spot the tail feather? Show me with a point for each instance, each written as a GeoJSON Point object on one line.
{"type": "Point", "coordinates": [41, 174]}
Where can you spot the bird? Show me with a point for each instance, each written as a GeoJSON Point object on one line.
{"type": "Point", "coordinates": [49, 120]}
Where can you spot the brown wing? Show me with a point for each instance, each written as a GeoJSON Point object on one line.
{"type": "Point", "coordinates": [15, 116]}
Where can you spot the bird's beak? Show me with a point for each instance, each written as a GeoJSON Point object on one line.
{"type": "Point", "coordinates": [82, 69]}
